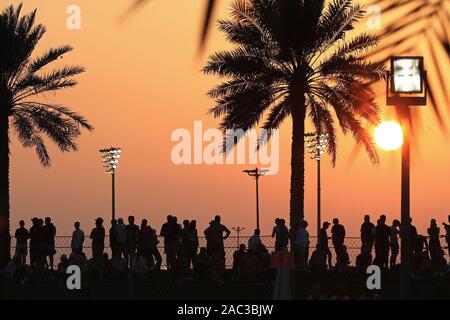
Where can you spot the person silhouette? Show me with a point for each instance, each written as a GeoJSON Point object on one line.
{"type": "Point", "coordinates": [132, 232]}
{"type": "Point", "coordinates": [302, 245]}
{"type": "Point", "coordinates": [447, 233]}
{"type": "Point", "coordinates": [254, 240]}
{"type": "Point", "coordinates": [145, 243]}
{"type": "Point", "coordinates": [98, 244]}
{"type": "Point", "coordinates": [382, 234]}
{"type": "Point", "coordinates": [322, 242]}
{"type": "Point", "coordinates": [338, 236]}
{"type": "Point", "coordinates": [34, 242]}
{"type": "Point", "coordinates": [367, 234]}
{"type": "Point", "coordinates": [281, 233]}
{"type": "Point", "coordinates": [193, 243]}
{"type": "Point", "coordinates": [434, 236]}
{"type": "Point", "coordinates": [77, 239]}
{"type": "Point", "coordinates": [49, 232]}
{"type": "Point", "coordinates": [22, 235]}
{"type": "Point", "coordinates": [216, 234]}
{"type": "Point", "coordinates": [121, 239]}
{"type": "Point", "coordinates": [393, 243]}
{"type": "Point", "coordinates": [114, 240]}
{"type": "Point", "coordinates": [171, 232]}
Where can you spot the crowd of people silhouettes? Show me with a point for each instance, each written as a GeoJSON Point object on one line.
{"type": "Point", "coordinates": [136, 248]}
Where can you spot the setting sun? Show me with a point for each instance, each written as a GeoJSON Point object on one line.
{"type": "Point", "coordinates": [389, 135]}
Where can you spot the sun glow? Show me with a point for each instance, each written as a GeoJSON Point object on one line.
{"type": "Point", "coordinates": [389, 135]}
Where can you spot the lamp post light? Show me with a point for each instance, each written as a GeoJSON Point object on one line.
{"type": "Point", "coordinates": [110, 160]}
{"type": "Point", "coordinates": [256, 173]}
{"type": "Point", "coordinates": [405, 87]}
{"type": "Point", "coordinates": [316, 144]}
{"type": "Point", "coordinates": [238, 230]}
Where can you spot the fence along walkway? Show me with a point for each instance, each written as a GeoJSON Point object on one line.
{"type": "Point", "coordinates": [63, 246]}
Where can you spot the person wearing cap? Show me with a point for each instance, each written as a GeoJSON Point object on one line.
{"type": "Point", "coordinates": [98, 242]}
{"type": "Point", "coordinates": [322, 241]}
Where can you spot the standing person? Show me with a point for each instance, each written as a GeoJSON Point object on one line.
{"type": "Point", "coordinates": [113, 240]}
{"type": "Point", "coordinates": [366, 234]}
{"type": "Point", "coordinates": [322, 242]}
{"type": "Point", "coordinates": [33, 234]}
{"type": "Point", "coordinates": [216, 235]}
{"type": "Point", "coordinates": [98, 244]}
{"type": "Point", "coordinates": [132, 231]}
{"type": "Point", "coordinates": [185, 245]}
{"type": "Point", "coordinates": [382, 234]}
{"type": "Point", "coordinates": [434, 242]}
{"type": "Point", "coordinates": [49, 234]}
{"type": "Point", "coordinates": [338, 237]}
{"type": "Point", "coordinates": [302, 244]}
{"type": "Point", "coordinates": [170, 231]}
{"type": "Point", "coordinates": [145, 240]}
{"type": "Point", "coordinates": [447, 233]}
{"type": "Point", "coordinates": [77, 239]}
{"type": "Point", "coordinates": [416, 244]}
{"type": "Point", "coordinates": [154, 252]}
{"type": "Point", "coordinates": [281, 233]}
{"type": "Point", "coordinates": [254, 240]}
{"type": "Point", "coordinates": [22, 235]}
{"type": "Point", "coordinates": [121, 239]}
{"type": "Point", "coordinates": [393, 242]}
{"type": "Point", "coordinates": [193, 243]}
{"type": "Point", "coordinates": [41, 244]}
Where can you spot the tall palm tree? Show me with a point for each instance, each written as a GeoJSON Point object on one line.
{"type": "Point", "coordinates": [292, 59]}
{"type": "Point", "coordinates": [22, 81]}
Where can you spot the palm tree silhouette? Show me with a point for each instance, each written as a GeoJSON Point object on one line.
{"type": "Point", "coordinates": [22, 80]}
{"type": "Point", "coordinates": [292, 59]}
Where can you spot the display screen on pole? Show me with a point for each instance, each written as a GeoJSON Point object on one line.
{"type": "Point", "coordinates": [407, 74]}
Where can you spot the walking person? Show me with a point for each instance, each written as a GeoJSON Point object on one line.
{"type": "Point", "coordinates": [77, 239]}
{"type": "Point", "coordinates": [22, 235]}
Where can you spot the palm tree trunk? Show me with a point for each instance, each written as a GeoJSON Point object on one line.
{"type": "Point", "coordinates": [5, 242]}
{"type": "Point", "coordinates": [298, 161]}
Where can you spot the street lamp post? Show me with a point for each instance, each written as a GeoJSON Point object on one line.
{"type": "Point", "coordinates": [256, 173]}
{"type": "Point", "coordinates": [110, 160]}
{"type": "Point", "coordinates": [316, 144]}
{"type": "Point", "coordinates": [405, 87]}
{"type": "Point", "coordinates": [238, 230]}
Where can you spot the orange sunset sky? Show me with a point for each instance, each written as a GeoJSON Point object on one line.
{"type": "Point", "coordinates": [143, 81]}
